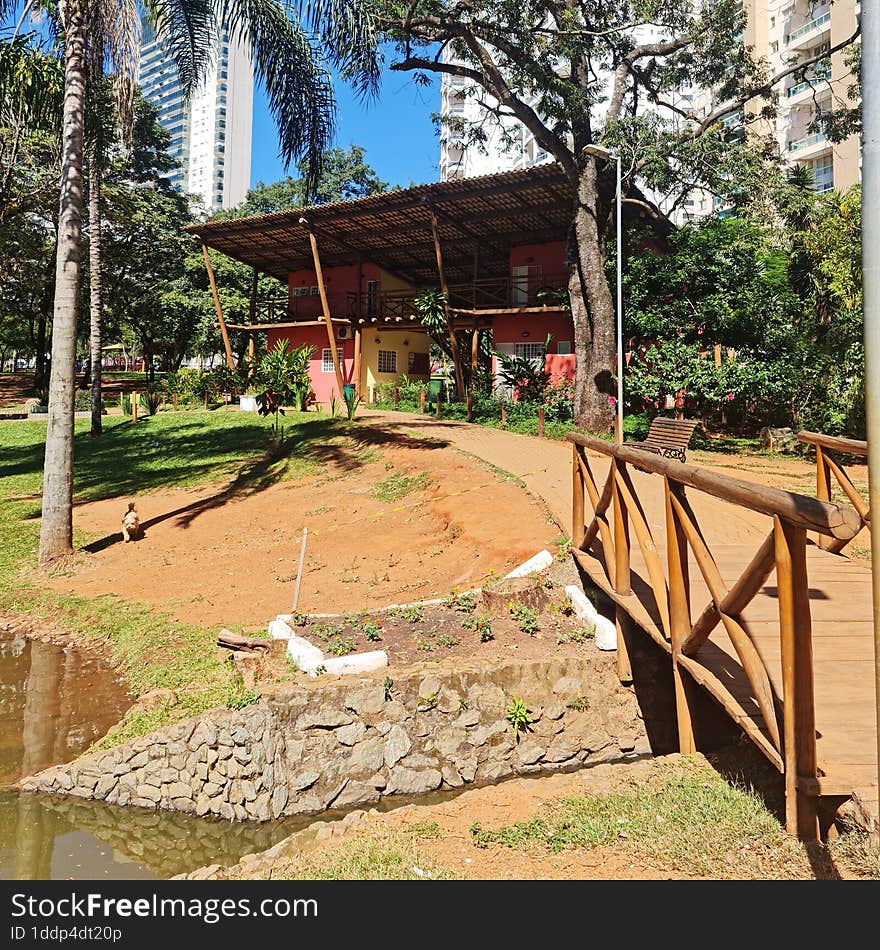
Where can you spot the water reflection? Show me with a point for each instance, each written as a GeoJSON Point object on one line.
{"type": "Point", "coordinates": [54, 703]}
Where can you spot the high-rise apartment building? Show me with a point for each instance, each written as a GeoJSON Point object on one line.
{"type": "Point", "coordinates": [211, 133]}
{"type": "Point", "coordinates": [789, 31]}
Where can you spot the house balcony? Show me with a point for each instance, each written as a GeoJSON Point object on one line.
{"type": "Point", "coordinates": [486, 295]}
{"type": "Point", "coordinates": [804, 92]}
{"type": "Point", "coordinates": [808, 34]}
{"type": "Point", "coordinates": [809, 147]}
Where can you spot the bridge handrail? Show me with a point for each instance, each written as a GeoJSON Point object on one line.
{"type": "Point", "coordinates": [834, 443]}
{"type": "Point", "coordinates": [837, 521]}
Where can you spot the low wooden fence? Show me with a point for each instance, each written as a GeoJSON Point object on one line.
{"type": "Point", "coordinates": [603, 518]}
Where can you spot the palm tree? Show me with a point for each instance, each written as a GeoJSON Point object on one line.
{"type": "Point", "coordinates": [284, 44]}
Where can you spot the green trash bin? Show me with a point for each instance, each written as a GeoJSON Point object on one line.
{"type": "Point", "coordinates": [434, 389]}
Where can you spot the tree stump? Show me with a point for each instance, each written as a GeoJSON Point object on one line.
{"type": "Point", "coordinates": [528, 591]}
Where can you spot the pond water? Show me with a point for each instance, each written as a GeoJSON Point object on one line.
{"type": "Point", "coordinates": [54, 703]}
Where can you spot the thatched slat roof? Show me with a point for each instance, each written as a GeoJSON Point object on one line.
{"type": "Point", "coordinates": [393, 229]}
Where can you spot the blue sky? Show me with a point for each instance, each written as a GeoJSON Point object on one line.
{"type": "Point", "coordinates": [395, 129]}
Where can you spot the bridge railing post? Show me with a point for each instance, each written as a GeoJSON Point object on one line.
{"type": "Point", "coordinates": [577, 500]}
{"type": "Point", "coordinates": [679, 612]}
{"type": "Point", "coordinates": [823, 488]}
{"type": "Point", "coordinates": [622, 581]}
{"type": "Point", "coordinates": [799, 712]}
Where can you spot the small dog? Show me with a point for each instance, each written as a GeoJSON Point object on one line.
{"type": "Point", "coordinates": [131, 523]}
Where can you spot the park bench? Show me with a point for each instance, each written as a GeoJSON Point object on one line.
{"type": "Point", "coordinates": [668, 437]}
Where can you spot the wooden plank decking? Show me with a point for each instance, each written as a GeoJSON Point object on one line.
{"type": "Point", "coordinates": [840, 609]}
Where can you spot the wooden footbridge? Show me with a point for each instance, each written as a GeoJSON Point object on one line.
{"type": "Point", "coordinates": [747, 589]}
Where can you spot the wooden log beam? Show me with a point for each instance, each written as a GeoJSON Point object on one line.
{"type": "Point", "coordinates": [453, 340]}
{"type": "Point", "coordinates": [835, 443]}
{"type": "Point", "coordinates": [325, 306]}
{"type": "Point", "coordinates": [799, 510]}
{"type": "Point", "coordinates": [230, 361]}
{"type": "Point", "coordinates": [234, 641]}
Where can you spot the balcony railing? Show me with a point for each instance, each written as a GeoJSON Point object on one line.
{"type": "Point", "coordinates": [488, 293]}
{"type": "Point", "coordinates": [808, 140]}
{"type": "Point", "coordinates": [808, 27]}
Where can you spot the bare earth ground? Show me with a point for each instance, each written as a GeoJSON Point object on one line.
{"type": "Point", "coordinates": [220, 556]}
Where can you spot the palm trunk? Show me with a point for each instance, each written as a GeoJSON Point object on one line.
{"type": "Point", "coordinates": [56, 529]}
{"type": "Point", "coordinates": [96, 303]}
{"type": "Point", "coordinates": [592, 310]}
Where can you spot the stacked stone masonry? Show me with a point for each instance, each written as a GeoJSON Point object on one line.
{"type": "Point", "coordinates": [338, 743]}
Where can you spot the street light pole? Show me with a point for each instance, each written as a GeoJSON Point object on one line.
{"type": "Point", "coordinates": [871, 291]}
{"type": "Point", "coordinates": [618, 429]}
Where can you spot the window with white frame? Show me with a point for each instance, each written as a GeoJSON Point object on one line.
{"type": "Point", "coordinates": [327, 360]}
{"type": "Point", "coordinates": [823, 173]}
{"type": "Point", "coordinates": [387, 361]}
{"type": "Point", "coordinates": [530, 351]}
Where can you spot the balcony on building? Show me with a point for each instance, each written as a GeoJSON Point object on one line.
{"type": "Point", "coordinates": [807, 33]}
{"type": "Point", "coordinates": [808, 146]}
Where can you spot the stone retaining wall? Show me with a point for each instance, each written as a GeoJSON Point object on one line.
{"type": "Point", "coordinates": [306, 747]}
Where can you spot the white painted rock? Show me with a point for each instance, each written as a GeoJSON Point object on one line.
{"type": "Point", "coordinates": [606, 633]}
{"type": "Point", "coordinates": [353, 663]}
{"type": "Point", "coordinates": [306, 655]}
{"type": "Point", "coordinates": [581, 604]}
{"type": "Point", "coordinates": [540, 562]}
{"type": "Point", "coordinates": [278, 630]}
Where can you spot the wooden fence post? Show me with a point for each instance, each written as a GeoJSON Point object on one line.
{"type": "Point", "coordinates": [679, 615]}
{"type": "Point", "coordinates": [540, 422]}
{"type": "Point", "coordinates": [174, 401]}
{"type": "Point", "coordinates": [621, 572]}
{"type": "Point", "coordinates": [503, 414]}
{"type": "Point", "coordinates": [396, 397]}
{"type": "Point", "coordinates": [134, 407]}
{"type": "Point", "coordinates": [799, 713]}
{"type": "Point", "coordinates": [470, 408]}
{"type": "Point", "coordinates": [823, 490]}
{"type": "Point", "coordinates": [577, 499]}
{"type": "Point", "coordinates": [422, 401]}
{"type": "Point", "coordinates": [439, 401]}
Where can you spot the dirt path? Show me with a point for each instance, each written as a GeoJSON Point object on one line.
{"type": "Point", "coordinates": [227, 554]}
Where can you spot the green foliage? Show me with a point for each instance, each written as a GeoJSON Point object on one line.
{"type": "Point", "coordinates": [526, 377]}
{"type": "Point", "coordinates": [282, 376]}
{"type": "Point", "coordinates": [125, 403]}
{"type": "Point", "coordinates": [150, 400]}
{"type": "Point", "coordinates": [526, 617]}
{"type": "Point", "coordinates": [341, 646]}
{"type": "Point", "coordinates": [398, 486]}
{"type": "Point", "coordinates": [464, 603]}
{"type": "Point", "coordinates": [412, 614]}
{"type": "Point", "coordinates": [481, 623]}
{"type": "Point", "coordinates": [579, 704]}
{"type": "Point", "coordinates": [372, 629]}
{"type": "Point", "coordinates": [352, 401]}
{"type": "Point", "coordinates": [517, 714]}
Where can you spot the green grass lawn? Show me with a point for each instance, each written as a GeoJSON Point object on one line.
{"type": "Point", "coordinates": [169, 449]}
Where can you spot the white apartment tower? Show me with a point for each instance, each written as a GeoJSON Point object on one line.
{"type": "Point", "coordinates": [211, 133]}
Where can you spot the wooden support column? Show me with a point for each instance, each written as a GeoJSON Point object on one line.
{"type": "Point", "coordinates": [325, 306]}
{"type": "Point", "coordinates": [679, 615]}
{"type": "Point", "coordinates": [475, 357]}
{"type": "Point", "coordinates": [230, 362]}
{"type": "Point", "coordinates": [621, 573]}
{"type": "Point", "coordinates": [359, 313]}
{"type": "Point", "coordinates": [578, 527]}
{"type": "Point", "coordinates": [251, 350]}
{"type": "Point", "coordinates": [799, 714]}
{"type": "Point", "coordinates": [358, 360]}
{"type": "Point", "coordinates": [450, 328]}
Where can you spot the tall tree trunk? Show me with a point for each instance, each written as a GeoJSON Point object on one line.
{"type": "Point", "coordinates": [56, 528]}
{"type": "Point", "coordinates": [592, 310]}
{"type": "Point", "coordinates": [96, 302]}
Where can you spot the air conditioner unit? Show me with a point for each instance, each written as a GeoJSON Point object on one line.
{"type": "Point", "coordinates": [343, 333]}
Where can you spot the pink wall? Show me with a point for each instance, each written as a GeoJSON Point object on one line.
{"type": "Point", "coordinates": [550, 257]}
{"type": "Point", "coordinates": [339, 281]}
{"type": "Point", "coordinates": [323, 384]}
{"type": "Point", "coordinates": [557, 323]}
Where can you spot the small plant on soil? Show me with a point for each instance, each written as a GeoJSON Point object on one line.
{"type": "Point", "coordinates": [447, 641]}
{"type": "Point", "coordinates": [323, 631]}
{"type": "Point", "coordinates": [292, 665]}
{"type": "Point", "coordinates": [463, 603]}
{"type": "Point", "coordinates": [526, 617]}
{"type": "Point", "coordinates": [354, 620]}
{"type": "Point", "coordinates": [372, 629]}
{"type": "Point", "coordinates": [481, 623]}
{"type": "Point", "coordinates": [517, 715]}
{"type": "Point", "coordinates": [566, 607]}
{"type": "Point", "coordinates": [425, 647]}
{"type": "Point", "coordinates": [388, 684]}
{"type": "Point", "coordinates": [563, 547]}
{"type": "Point", "coordinates": [299, 620]}
{"type": "Point", "coordinates": [411, 614]}
{"type": "Point", "coordinates": [584, 634]}
{"type": "Point", "coordinates": [579, 704]}
{"type": "Point", "coordinates": [398, 486]}
{"type": "Point", "coordinates": [341, 646]}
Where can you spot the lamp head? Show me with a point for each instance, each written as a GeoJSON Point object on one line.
{"type": "Point", "coordinates": [597, 151]}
